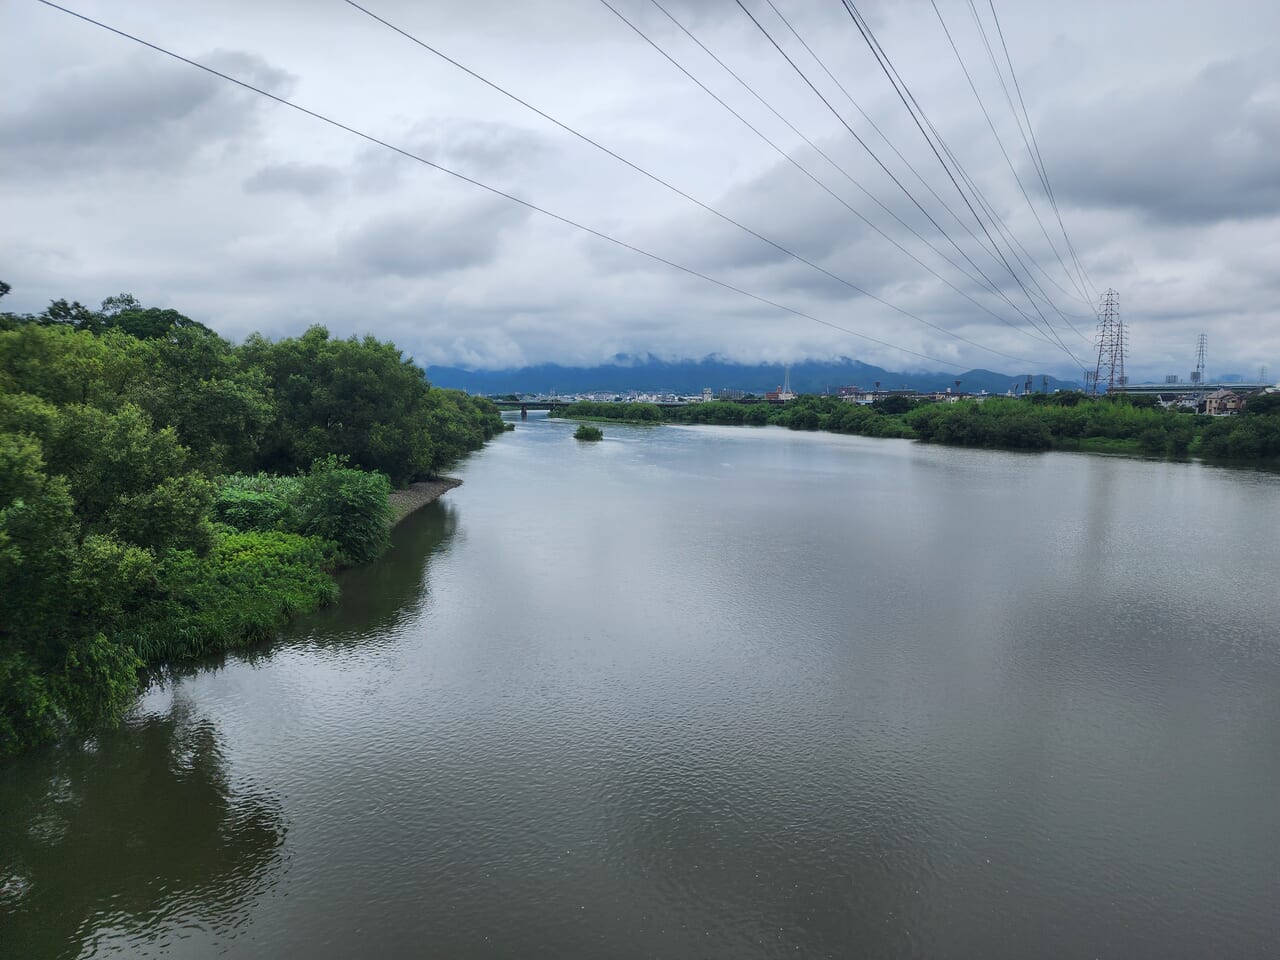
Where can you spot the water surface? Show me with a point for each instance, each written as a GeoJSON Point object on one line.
{"type": "Point", "coordinates": [713, 692]}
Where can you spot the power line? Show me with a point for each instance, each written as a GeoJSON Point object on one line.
{"type": "Point", "coordinates": [898, 153]}
{"type": "Point", "coordinates": [877, 159]}
{"type": "Point", "coordinates": [1012, 169]}
{"type": "Point", "coordinates": [913, 107]}
{"type": "Point", "coordinates": [1005, 233]}
{"type": "Point", "coordinates": [790, 159]}
{"type": "Point", "coordinates": [1039, 160]}
{"type": "Point", "coordinates": [315, 115]}
{"type": "Point", "coordinates": [986, 43]}
{"type": "Point", "coordinates": [674, 189]}
{"type": "Point", "coordinates": [1032, 147]}
{"type": "Point", "coordinates": [865, 116]}
{"type": "Point", "coordinates": [888, 142]}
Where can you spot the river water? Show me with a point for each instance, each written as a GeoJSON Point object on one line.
{"type": "Point", "coordinates": [713, 692]}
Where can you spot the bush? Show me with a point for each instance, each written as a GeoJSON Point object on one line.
{"type": "Point", "coordinates": [587, 432]}
{"type": "Point", "coordinates": [626, 412]}
{"type": "Point", "coordinates": [346, 506]}
{"type": "Point", "coordinates": [260, 502]}
{"type": "Point", "coordinates": [247, 587]}
{"type": "Point", "coordinates": [334, 502]}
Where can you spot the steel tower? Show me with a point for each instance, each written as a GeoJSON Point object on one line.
{"type": "Point", "coordinates": [1109, 371]}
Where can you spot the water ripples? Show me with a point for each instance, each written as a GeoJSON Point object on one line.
{"type": "Point", "coordinates": [714, 693]}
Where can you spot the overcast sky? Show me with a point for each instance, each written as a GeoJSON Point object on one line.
{"type": "Point", "coordinates": [1158, 122]}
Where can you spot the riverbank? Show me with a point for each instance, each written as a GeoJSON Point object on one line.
{"type": "Point", "coordinates": [415, 496]}
{"type": "Point", "coordinates": [166, 494]}
{"type": "Point", "coordinates": [1064, 421]}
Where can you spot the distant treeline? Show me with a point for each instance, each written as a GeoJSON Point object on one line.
{"type": "Point", "coordinates": [1056, 421]}
{"type": "Point", "coordinates": [165, 493]}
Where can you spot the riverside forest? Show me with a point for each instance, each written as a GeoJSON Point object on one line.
{"type": "Point", "coordinates": [1059, 421]}
{"type": "Point", "coordinates": [166, 493]}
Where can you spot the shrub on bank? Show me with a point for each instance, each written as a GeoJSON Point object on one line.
{"type": "Point", "coordinates": [126, 608]}
{"type": "Point", "coordinates": [332, 502]}
{"type": "Point", "coordinates": [258, 502]}
{"type": "Point", "coordinates": [346, 506]}
{"type": "Point", "coordinates": [245, 589]}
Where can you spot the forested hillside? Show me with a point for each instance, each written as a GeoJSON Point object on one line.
{"type": "Point", "coordinates": [165, 493]}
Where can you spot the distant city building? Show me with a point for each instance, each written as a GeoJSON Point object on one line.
{"type": "Point", "coordinates": [783, 393]}
{"type": "Point", "coordinates": [855, 395]}
{"type": "Point", "coordinates": [1222, 403]}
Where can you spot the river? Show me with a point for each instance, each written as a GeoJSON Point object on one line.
{"type": "Point", "coordinates": [712, 692]}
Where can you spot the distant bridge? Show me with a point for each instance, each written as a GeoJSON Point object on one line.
{"type": "Point", "coordinates": [1185, 389]}
{"type": "Point", "coordinates": [524, 406]}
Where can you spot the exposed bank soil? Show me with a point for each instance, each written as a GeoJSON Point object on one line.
{"type": "Point", "coordinates": [417, 495]}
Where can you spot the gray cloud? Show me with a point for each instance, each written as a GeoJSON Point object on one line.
{"type": "Point", "coordinates": [481, 148]}
{"type": "Point", "coordinates": [1201, 151]}
{"type": "Point", "coordinates": [307, 179]}
{"type": "Point", "coordinates": [126, 171]}
{"type": "Point", "coordinates": [420, 244]}
{"type": "Point", "coordinates": [139, 113]}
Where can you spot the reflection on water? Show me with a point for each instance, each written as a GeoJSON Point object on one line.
{"type": "Point", "coordinates": [377, 601]}
{"type": "Point", "coordinates": [379, 597]}
{"type": "Point", "coordinates": [140, 839]}
{"type": "Point", "coordinates": [132, 840]}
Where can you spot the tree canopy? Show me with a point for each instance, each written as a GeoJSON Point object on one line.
{"type": "Point", "coordinates": [1057, 421]}
{"type": "Point", "coordinates": [165, 492]}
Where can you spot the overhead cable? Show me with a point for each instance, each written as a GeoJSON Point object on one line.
{"type": "Point", "coordinates": [529, 205]}
{"type": "Point", "coordinates": [916, 112]}
{"type": "Point", "coordinates": [1039, 160]}
{"type": "Point", "coordinates": [674, 189]}
{"type": "Point", "coordinates": [910, 196]}
{"type": "Point", "coordinates": [1012, 169]}
{"type": "Point", "coordinates": [790, 159]}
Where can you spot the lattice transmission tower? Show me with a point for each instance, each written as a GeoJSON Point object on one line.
{"type": "Point", "coordinates": [1108, 374]}
{"type": "Point", "coordinates": [1202, 347]}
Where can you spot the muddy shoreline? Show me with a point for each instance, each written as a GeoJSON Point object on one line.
{"type": "Point", "coordinates": [418, 495]}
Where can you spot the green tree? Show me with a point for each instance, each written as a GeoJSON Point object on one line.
{"type": "Point", "coordinates": [195, 381]}
{"type": "Point", "coordinates": [893, 404]}
{"type": "Point", "coordinates": [346, 506]}
{"type": "Point", "coordinates": [356, 398]}
{"type": "Point", "coordinates": [1262, 405]}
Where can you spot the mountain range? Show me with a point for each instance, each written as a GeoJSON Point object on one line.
{"type": "Point", "coordinates": [650, 374]}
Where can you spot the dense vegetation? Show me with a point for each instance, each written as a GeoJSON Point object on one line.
{"type": "Point", "coordinates": [1059, 421]}
{"type": "Point", "coordinates": [587, 432]}
{"type": "Point", "coordinates": [165, 493]}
